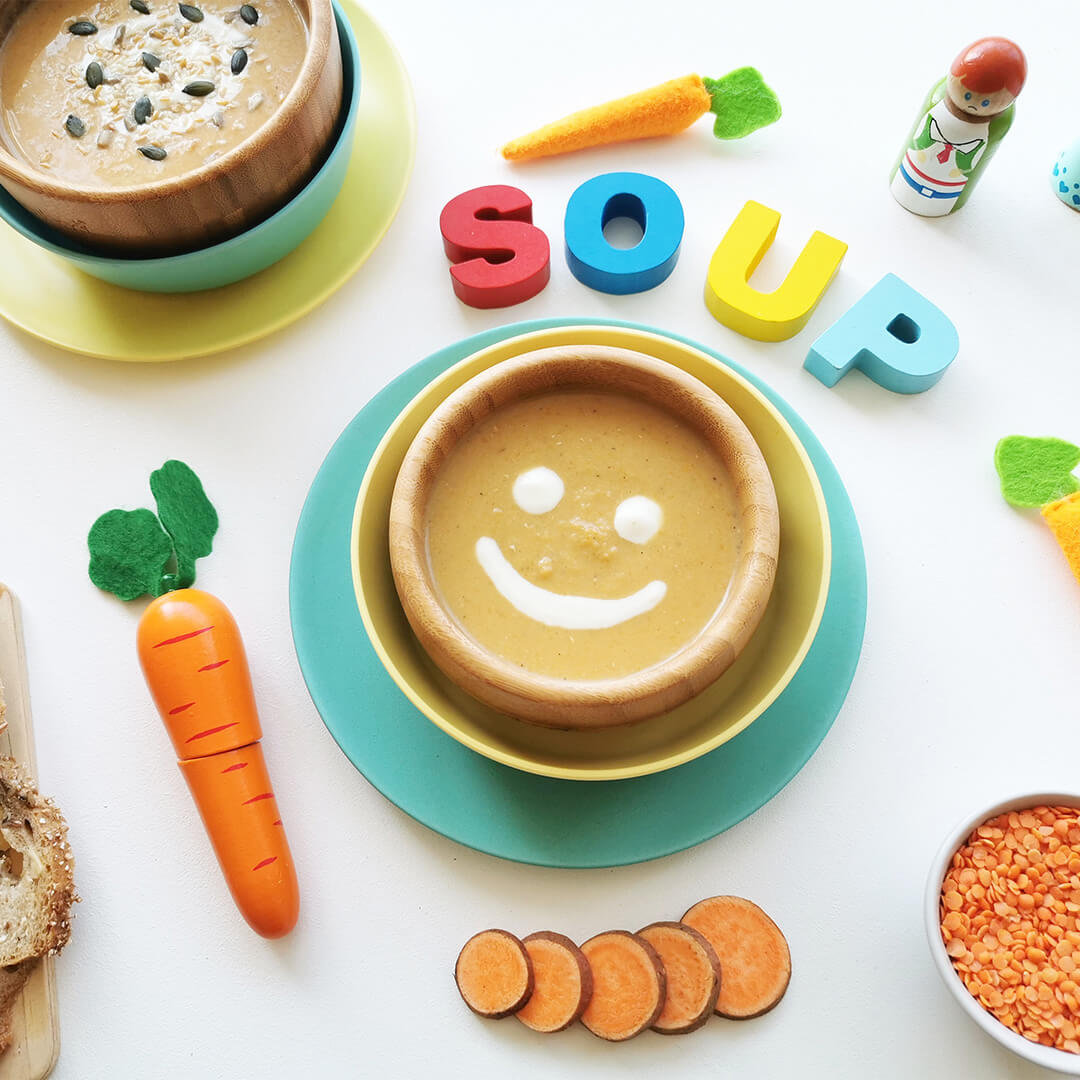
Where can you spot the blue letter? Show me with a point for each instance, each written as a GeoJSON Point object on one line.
{"type": "Point", "coordinates": [893, 335]}
{"type": "Point", "coordinates": [649, 202]}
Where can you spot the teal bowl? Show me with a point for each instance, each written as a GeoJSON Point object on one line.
{"type": "Point", "coordinates": [240, 256]}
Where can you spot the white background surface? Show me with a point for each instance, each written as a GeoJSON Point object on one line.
{"type": "Point", "coordinates": [966, 691]}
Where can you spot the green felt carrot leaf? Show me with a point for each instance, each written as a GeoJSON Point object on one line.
{"type": "Point", "coordinates": [131, 551]}
{"type": "Point", "coordinates": [1035, 472]}
{"type": "Point", "coordinates": [128, 553]}
{"type": "Point", "coordinates": [743, 102]}
{"type": "Point", "coordinates": [188, 516]}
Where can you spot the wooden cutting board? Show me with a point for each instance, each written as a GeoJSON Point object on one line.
{"type": "Point", "coordinates": [36, 1041]}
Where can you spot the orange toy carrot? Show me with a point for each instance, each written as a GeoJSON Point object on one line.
{"type": "Point", "coordinates": [195, 666]}
{"type": "Point", "coordinates": [741, 101]}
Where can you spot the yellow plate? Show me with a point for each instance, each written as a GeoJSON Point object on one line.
{"type": "Point", "coordinates": [105, 320]}
{"type": "Point", "coordinates": [720, 712]}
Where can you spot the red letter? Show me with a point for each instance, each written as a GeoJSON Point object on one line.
{"type": "Point", "coordinates": [500, 257]}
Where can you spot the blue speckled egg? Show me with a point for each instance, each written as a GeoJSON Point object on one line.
{"type": "Point", "coordinates": [1065, 176]}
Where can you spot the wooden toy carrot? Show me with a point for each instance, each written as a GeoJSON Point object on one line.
{"type": "Point", "coordinates": [195, 666]}
{"type": "Point", "coordinates": [741, 101]}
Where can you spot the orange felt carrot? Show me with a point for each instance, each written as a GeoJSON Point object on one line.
{"type": "Point", "coordinates": [1063, 517]}
{"type": "Point", "coordinates": [741, 100]}
{"type": "Point", "coordinates": [195, 666]}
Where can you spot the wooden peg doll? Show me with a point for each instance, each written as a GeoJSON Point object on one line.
{"type": "Point", "coordinates": [963, 119]}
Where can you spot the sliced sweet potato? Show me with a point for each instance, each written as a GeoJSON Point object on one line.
{"type": "Point", "coordinates": [562, 982]}
{"type": "Point", "coordinates": [628, 985]}
{"type": "Point", "coordinates": [494, 974]}
{"type": "Point", "coordinates": [753, 954]}
{"type": "Point", "coordinates": [693, 976]}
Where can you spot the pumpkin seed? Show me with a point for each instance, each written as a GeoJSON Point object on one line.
{"type": "Point", "coordinates": [150, 61]}
{"type": "Point", "coordinates": [95, 75]}
{"type": "Point", "coordinates": [191, 13]}
{"type": "Point", "coordinates": [249, 14]}
{"type": "Point", "coordinates": [141, 6]}
{"type": "Point", "coordinates": [82, 28]}
{"type": "Point", "coordinates": [143, 110]}
{"type": "Point", "coordinates": [239, 61]}
{"type": "Point", "coordinates": [154, 153]}
{"type": "Point", "coordinates": [199, 88]}
{"type": "Point", "coordinates": [76, 128]}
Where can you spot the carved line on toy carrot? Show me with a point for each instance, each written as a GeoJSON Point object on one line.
{"type": "Point", "coordinates": [1038, 472]}
{"type": "Point", "coordinates": [741, 101]}
{"type": "Point", "coordinates": [184, 633]}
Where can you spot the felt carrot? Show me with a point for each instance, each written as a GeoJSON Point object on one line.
{"type": "Point", "coordinates": [195, 666]}
{"type": "Point", "coordinates": [1038, 472]}
{"type": "Point", "coordinates": [741, 101]}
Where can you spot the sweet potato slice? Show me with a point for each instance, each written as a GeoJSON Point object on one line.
{"type": "Point", "coordinates": [562, 982]}
{"type": "Point", "coordinates": [753, 954]}
{"type": "Point", "coordinates": [628, 985]}
{"type": "Point", "coordinates": [494, 974]}
{"type": "Point", "coordinates": [693, 976]}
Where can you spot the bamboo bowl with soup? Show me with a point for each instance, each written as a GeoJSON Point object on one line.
{"type": "Point", "coordinates": [147, 127]}
{"type": "Point", "coordinates": [583, 537]}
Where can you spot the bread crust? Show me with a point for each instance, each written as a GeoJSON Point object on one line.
{"type": "Point", "coordinates": [37, 887]}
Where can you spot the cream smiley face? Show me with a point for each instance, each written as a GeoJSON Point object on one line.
{"type": "Point", "coordinates": [637, 519]}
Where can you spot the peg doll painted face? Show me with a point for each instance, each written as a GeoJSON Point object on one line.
{"type": "Point", "coordinates": [986, 77]}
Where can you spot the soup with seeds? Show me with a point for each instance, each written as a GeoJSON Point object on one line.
{"type": "Point", "coordinates": [116, 93]}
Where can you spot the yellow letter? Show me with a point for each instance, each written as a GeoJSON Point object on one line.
{"type": "Point", "coordinates": [771, 316]}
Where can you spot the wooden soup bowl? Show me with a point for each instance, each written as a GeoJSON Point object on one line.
{"type": "Point", "coordinates": [600, 703]}
{"type": "Point", "coordinates": [216, 201]}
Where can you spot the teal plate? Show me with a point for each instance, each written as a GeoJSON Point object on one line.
{"type": "Point", "coordinates": [517, 815]}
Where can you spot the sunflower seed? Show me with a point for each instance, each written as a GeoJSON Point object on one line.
{"type": "Point", "coordinates": [150, 61]}
{"type": "Point", "coordinates": [141, 6]}
{"type": "Point", "coordinates": [105, 137]}
{"type": "Point", "coordinates": [191, 13]}
{"type": "Point", "coordinates": [218, 119]}
{"type": "Point", "coordinates": [255, 101]}
{"type": "Point", "coordinates": [249, 14]}
{"type": "Point", "coordinates": [239, 61]}
{"type": "Point", "coordinates": [154, 153]}
{"type": "Point", "coordinates": [129, 122]}
{"type": "Point", "coordinates": [95, 75]}
{"type": "Point", "coordinates": [143, 110]}
{"type": "Point", "coordinates": [230, 16]}
{"type": "Point", "coordinates": [163, 77]}
{"type": "Point", "coordinates": [75, 126]}
{"type": "Point", "coordinates": [118, 37]}
{"type": "Point", "coordinates": [199, 88]}
{"type": "Point", "coordinates": [82, 28]}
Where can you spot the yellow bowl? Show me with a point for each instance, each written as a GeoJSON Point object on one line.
{"type": "Point", "coordinates": [745, 690]}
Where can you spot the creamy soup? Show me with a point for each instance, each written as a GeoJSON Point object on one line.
{"type": "Point", "coordinates": [581, 534]}
{"type": "Point", "coordinates": [99, 93]}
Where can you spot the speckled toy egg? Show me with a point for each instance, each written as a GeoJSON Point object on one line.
{"type": "Point", "coordinates": [1065, 176]}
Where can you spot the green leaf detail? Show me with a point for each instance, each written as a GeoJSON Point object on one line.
{"type": "Point", "coordinates": [742, 102]}
{"type": "Point", "coordinates": [128, 553]}
{"type": "Point", "coordinates": [187, 515]}
{"type": "Point", "coordinates": [1035, 472]}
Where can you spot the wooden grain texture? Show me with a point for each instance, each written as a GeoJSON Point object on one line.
{"type": "Point", "coordinates": [585, 704]}
{"type": "Point", "coordinates": [36, 1039]}
{"type": "Point", "coordinates": [221, 199]}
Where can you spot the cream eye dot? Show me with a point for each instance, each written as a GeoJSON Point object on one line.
{"type": "Point", "coordinates": [538, 490]}
{"type": "Point", "coordinates": [638, 519]}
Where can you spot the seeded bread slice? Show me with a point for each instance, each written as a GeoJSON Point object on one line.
{"type": "Point", "coordinates": [36, 885]}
